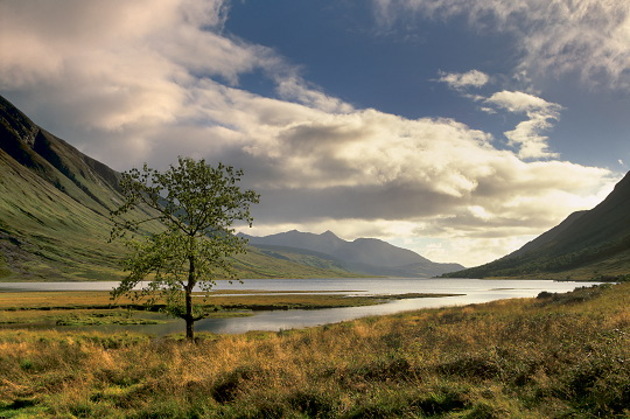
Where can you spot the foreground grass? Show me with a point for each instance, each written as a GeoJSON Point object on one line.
{"type": "Point", "coordinates": [557, 356]}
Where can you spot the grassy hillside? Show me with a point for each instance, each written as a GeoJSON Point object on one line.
{"type": "Point", "coordinates": [588, 244]}
{"type": "Point", "coordinates": [262, 262]}
{"type": "Point", "coordinates": [54, 214]}
{"type": "Point", "coordinates": [558, 356]}
{"type": "Point", "coordinates": [46, 233]}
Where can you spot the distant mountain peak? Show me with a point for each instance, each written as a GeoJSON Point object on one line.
{"type": "Point", "coordinates": [363, 255]}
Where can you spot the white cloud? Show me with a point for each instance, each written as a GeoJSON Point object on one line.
{"type": "Point", "coordinates": [587, 37]}
{"type": "Point", "coordinates": [294, 88]}
{"type": "Point", "coordinates": [522, 102]}
{"type": "Point", "coordinates": [459, 81]}
{"type": "Point", "coordinates": [146, 81]}
{"type": "Point", "coordinates": [527, 134]}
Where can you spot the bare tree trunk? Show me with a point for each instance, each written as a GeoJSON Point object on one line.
{"type": "Point", "coordinates": [190, 328]}
{"type": "Point", "coordinates": [190, 321]}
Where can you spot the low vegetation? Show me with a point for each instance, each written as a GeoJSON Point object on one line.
{"type": "Point", "coordinates": [40, 303]}
{"type": "Point", "coordinates": [552, 356]}
{"type": "Point", "coordinates": [96, 308]}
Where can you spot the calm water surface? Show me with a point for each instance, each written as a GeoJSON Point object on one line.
{"type": "Point", "coordinates": [473, 290]}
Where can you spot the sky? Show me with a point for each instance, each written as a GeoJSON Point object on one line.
{"type": "Point", "coordinates": [460, 129]}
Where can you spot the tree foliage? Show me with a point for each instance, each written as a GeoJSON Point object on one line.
{"type": "Point", "coordinates": [195, 206]}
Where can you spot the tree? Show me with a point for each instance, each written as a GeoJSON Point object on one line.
{"type": "Point", "coordinates": [191, 208]}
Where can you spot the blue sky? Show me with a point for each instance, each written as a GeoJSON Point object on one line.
{"type": "Point", "coordinates": [349, 53]}
{"type": "Point", "coordinates": [460, 129]}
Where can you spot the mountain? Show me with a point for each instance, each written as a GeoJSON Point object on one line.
{"type": "Point", "coordinates": [54, 205]}
{"type": "Point", "coordinates": [54, 214]}
{"type": "Point", "coordinates": [366, 256]}
{"type": "Point", "coordinates": [587, 244]}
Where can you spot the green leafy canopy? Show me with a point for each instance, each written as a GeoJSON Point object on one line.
{"type": "Point", "coordinates": [195, 204]}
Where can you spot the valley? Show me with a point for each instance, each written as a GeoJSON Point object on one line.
{"type": "Point", "coordinates": [224, 209]}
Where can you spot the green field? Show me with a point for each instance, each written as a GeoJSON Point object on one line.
{"type": "Point", "coordinates": [564, 355]}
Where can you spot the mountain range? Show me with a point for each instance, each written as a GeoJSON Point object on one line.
{"type": "Point", "coordinates": [587, 244]}
{"type": "Point", "coordinates": [54, 220]}
{"type": "Point", "coordinates": [54, 225]}
{"type": "Point", "coordinates": [363, 255]}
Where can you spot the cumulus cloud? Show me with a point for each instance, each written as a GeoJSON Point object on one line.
{"type": "Point", "coordinates": [371, 172]}
{"type": "Point", "coordinates": [459, 81]}
{"type": "Point", "coordinates": [295, 89]}
{"type": "Point", "coordinates": [522, 102]}
{"type": "Point", "coordinates": [587, 37]}
{"type": "Point", "coordinates": [527, 134]}
{"type": "Point", "coordinates": [161, 79]}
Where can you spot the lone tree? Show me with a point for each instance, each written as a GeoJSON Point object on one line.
{"type": "Point", "coordinates": [195, 205]}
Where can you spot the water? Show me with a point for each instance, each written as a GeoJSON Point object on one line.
{"type": "Point", "coordinates": [473, 290]}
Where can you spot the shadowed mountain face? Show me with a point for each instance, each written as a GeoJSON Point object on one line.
{"type": "Point", "coordinates": [54, 205]}
{"type": "Point", "coordinates": [54, 215]}
{"type": "Point", "coordinates": [367, 256]}
{"type": "Point", "coordinates": [588, 244]}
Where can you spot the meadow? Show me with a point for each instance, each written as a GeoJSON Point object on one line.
{"type": "Point", "coordinates": [558, 355]}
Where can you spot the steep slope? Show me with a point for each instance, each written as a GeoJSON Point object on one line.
{"type": "Point", "coordinates": [588, 244]}
{"type": "Point", "coordinates": [367, 256]}
{"type": "Point", "coordinates": [54, 213]}
{"type": "Point", "coordinates": [54, 205]}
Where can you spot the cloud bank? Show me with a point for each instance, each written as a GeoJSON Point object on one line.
{"type": "Point", "coordinates": [139, 81]}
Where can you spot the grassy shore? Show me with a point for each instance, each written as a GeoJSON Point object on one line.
{"type": "Point", "coordinates": [565, 355]}
{"type": "Point", "coordinates": [42, 303]}
{"type": "Point", "coordinates": [95, 308]}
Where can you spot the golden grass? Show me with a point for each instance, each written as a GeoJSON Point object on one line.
{"type": "Point", "coordinates": [559, 356]}
{"type": "Point", "coordinates": [236, 299]}
{"type": "Point", "coordinates": [49, 299]}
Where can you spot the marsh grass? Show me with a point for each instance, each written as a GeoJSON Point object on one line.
{"type": "Point", "coordinates": [98, 306]}
{"type": "Point", "coordinates": [47, 300]}
{"type": "Point", "coordinates": [554, 356]}
{"type": "Point", "coordinates": [76, 317]}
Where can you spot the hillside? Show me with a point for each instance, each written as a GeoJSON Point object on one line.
{"type": "Point", "coordinates": [588, 244]}
{"type": "Point", "coordinates": [367, 256]}
{"type": "Point", "coordinates": [55, 205]}
{"type": "Point", "coordinates": [54, 214]}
